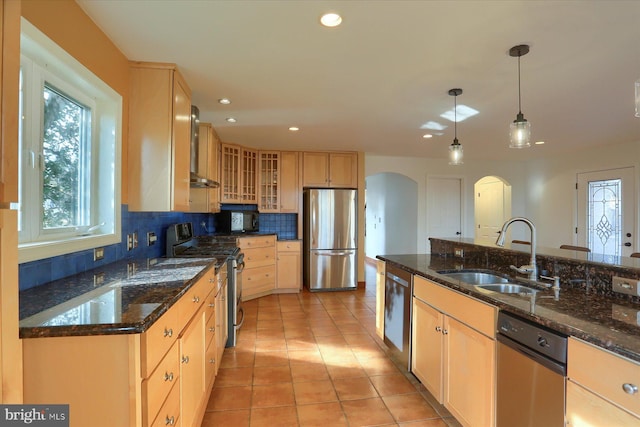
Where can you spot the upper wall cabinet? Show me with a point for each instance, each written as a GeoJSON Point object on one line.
{"type": "Point", "coordinates": [330, 169]}
{"type": "Point", "coordinates": [278, 181]}
{"type": "Point", "coordinates": [207, 199]}
{"type": "Point", "coordinates": [238, 174]}
{"type": "Point", "coordinates": [159, 138]}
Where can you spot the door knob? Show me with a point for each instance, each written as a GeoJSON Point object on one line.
{"type": "Point", "coordinates": [627, 244]}
{"type": "Point", "coordinates": [628, 234]}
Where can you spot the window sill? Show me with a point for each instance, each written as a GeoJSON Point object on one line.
{"type": "Point", "coordinates": [46, 249]}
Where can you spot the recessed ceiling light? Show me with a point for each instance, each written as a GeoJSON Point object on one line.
{"type": "Point", "coordinates": [331, 19]}
{"type": "Point", "coordinates": [294, 129]}
{"type": "Point", "coordinates": [231, 120]}
{"type": "Point", "coordinates": [225, 101]}
{"type": "Point", "coordinates": [539, 142]}
{"type": "Point", "coordinates": [427, 136]}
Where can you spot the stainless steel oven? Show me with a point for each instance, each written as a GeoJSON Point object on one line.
{"type": "Point", "coordinates": [531, 374]}
{"type": "Point", "coordinates": [182, 244]}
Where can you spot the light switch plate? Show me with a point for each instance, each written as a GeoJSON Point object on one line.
{"type": "Point", "coordinates": [625, 286]}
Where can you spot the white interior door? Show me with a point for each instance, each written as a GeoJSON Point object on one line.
{"type": "Point", "coordinates": [444, 207]}
{"type": "Point", "coordinates": [492, 209]}
{"type": "Point", "coordinates": [606, 215]}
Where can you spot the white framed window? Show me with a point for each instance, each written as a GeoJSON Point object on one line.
{"type": "Point", "coordinates": [70, 142]}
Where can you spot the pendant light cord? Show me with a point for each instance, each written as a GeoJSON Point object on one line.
{"type": "Point", "coordinates": [455, 118]}
{"type": "Point", "coordinates": [519, 96]}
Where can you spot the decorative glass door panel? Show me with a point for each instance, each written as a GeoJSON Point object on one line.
{"type": "Point", "coordinates": [269, 191]}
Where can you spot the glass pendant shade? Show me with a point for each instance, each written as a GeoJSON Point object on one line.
{"type": "Point", "coordinates": [520, 133]}
{"type": "Point", "coordinates": [455, 153]}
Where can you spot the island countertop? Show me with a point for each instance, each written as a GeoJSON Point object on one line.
{"type": "Point", "coordinates": [600, 319]}
{"type": "Point", "coordinates": [124, 297]}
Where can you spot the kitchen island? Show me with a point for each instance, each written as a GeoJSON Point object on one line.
{"type": "Point", "coordinates": [458, 363]}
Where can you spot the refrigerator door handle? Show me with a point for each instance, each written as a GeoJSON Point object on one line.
{"type": "Point", "coordinates": [335, 253]}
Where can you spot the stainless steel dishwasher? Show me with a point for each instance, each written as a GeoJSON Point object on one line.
{"type": "Point", "coordinates": [531, 374]}
{"type": "Point", "coordinates": [397, 313]}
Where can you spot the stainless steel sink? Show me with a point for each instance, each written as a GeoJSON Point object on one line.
{"type": "Point", "coordinates": [476, 277]}
{"type": "Point", "coordinates": [507, 288]}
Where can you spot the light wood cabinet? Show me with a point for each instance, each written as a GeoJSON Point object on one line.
{"type": "Point", "coordinates": [278, 189]}
{"type": "Point", "coordinates": [602, 387]}
{"type": "Point", "coordinates": [330, 169]}
{"type": "Point", "coordinates": [207, 199]}
{"type": "Point", "coordinates": [222, 318]}
{"type": "Point", "coordinates": [238, 180]}
{"type": "Point", "coordinates": [259, 274]}
{"type": "Point", "coordinates": [453, 351]}
{"type": "Point", "coordinates": [159, 138]}
{"type": "Point", "coordinates": [289, 266]}
{"type": "Point", "coordinates": [154, 378]}
{"type": "Point", "coordinates": [380, 295]}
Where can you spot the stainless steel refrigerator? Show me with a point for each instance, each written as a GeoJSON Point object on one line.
{"type": "Point", "coordinates": [330, 239]}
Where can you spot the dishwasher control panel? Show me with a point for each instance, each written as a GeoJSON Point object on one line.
{"type": "Point", "coordinates": [533, 336]}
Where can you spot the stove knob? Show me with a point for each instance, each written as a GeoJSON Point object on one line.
{"type": "Point", "coordinates": [542, 342]}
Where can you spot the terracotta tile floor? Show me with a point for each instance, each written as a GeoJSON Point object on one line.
{"type": "Point", "coordinates": [313, 359]}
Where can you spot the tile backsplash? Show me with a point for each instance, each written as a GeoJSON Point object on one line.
{"type": "Point", "coordinates": [39, 272]}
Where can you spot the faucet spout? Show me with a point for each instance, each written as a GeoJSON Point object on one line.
{"type": "Point", "coordinates": [530, 269]}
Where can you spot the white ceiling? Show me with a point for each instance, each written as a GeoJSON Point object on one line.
{"type": "Point", "coordinates": [372, 83]}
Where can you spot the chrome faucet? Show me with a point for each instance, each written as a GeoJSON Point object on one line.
{"type": "Point", "coordinates": [530, 269]}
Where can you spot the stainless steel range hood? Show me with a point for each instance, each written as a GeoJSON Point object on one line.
{"type": "Point", "coordinates": [197, 181]}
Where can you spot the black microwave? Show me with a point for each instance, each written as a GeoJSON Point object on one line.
{"type": "Point", "coordinates": [237, 222]}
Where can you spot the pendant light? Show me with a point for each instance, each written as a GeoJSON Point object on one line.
{"type": "Point", "coordinates": [520, 129]}
{"type": "Point", "coordinates": [455, 149]}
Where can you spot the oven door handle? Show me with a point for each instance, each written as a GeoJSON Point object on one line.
{"type": "Point", "coordinates": [239, 325]}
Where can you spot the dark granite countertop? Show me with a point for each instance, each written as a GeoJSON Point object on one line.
{"type": "Point", "coordinates": [125, 297]}
{"type": "Point", "coordinates": [603, 320]}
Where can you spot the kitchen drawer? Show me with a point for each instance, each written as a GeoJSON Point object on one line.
{"type": "Point", "coordinates": [259, 257]}
{"type": "Point", "coordinates": [258, 280]}
{"type": "Point", "coordinates": [210, 305]}
{"type": "Point", "coordinates": [604, 373]}
{"type": "Point", "coordinates": [256, 242]}
{"type": "Point", "coordinates": [210, 362]}
{"type": "Point", "coordinates": [195, 296]}
{"type": "Point", "coordinates": [210, 330]}
{"type": "Point", "coordinates": [156, 388]}
{"type": "Point", "coordinates": [156, 341]}
{"type": "Point", "coordinates": [169, 413]}
{"type": "Point", "coordinates": [289, 246]}
{"type": "Point", "coordinates": [473, 313]}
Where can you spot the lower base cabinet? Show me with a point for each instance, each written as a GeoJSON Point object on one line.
{"type": "Point", "coordinates": [289, 266]}
{"type": "Point", "coordinates": [156, 378]}
{"type": "Point", "coordinates": [453, 351]}
{"type": "Point", "coordinates": [602, 387]}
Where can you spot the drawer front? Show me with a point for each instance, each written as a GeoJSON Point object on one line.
{"type": "Point", "coordinates": [156, 388]}
{"type": "Point", "coordinates": [193, 299]}
{"type": "Point", "coordinates": [256, 242]}
{"type": "Point", "coordinates": [156, 341]}
{"type": "Point", "coordinates": [469, 311]}
{"type": "Point", "coordinates": [210, 331]}
{"type": "Point", "coordinates": [259, 257]}
{"type": "Point", "coordinates": [210, 363]}
{"type": "Point", "coordinates": [605, 373]}
{"type": "Point", "coordinates": [257, 280]}
{"type": "Point", "coordinates": [169, 413]}
{"type": "Point", "coordinates": [210, 305]}
{"type": "Point", "coordinates": [289, 246]}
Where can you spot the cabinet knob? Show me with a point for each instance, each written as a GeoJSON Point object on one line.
{"type": "Point", "coordinates": [185, 359]}
{"type": "Point", "coordinates": [212, 305]}
{"type": "Point", "coordinates": [196, 299]}
{"type": "Point", "coordinates": [168, 332]}
{"type": "Point", "coordinates": [630, 388]}
{"type": "Point", "coordinates": [445, 332]}
{"type": "Point", "coordinates": [168, 376]}
{"type": "Point", "coordinates": [212, 361]}
{"type": "Point", "coordinates": [212, 329]}
{"type": "Point", "coordinates": [438, 329]}
{"type": "Point", "coordinates": [169, 421]}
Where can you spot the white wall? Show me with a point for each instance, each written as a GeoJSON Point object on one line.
{"type": "Point", "coordinates": [542, 189]}
{"type": "Point", "coordinates": [391, 215]}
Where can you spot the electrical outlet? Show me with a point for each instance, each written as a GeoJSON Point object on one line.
{"type": "Point", "coordinates": [129, 242]}
{"type": "Point", "coordinates": [98, 279]}
{"type": "Point", "coordinates": [459, 252]}
{"type": "Point", "coordinates": [98, 254]}
{"type": "Point", "coordinates": [625, 286]}
{"type": "Point", "coordinates": [151, 238]}
{"type": "Point", "coordinates": [134, 238]}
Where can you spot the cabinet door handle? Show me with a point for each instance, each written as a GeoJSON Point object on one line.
{"type": "Point", "coordinates": [196, 299]}
{"type": "Point", "coordinates": [168, 332]}
{"type": "Point", "coordinates": [630, 388]}
{"type": "Point", "coordinates": [212, 361]}
{"type": "Point", "coordinates": [168, 376]}
{"type": "Point", "coordinates": [212, 329]}
{"type": "Point", "coordinates": [169, 421]}
{"type": "Point", "coordinates": [212, 305]}
{"type": "Point", "coordinates": [445, 332]}
{"type": "Point", "coordinates": [185, 359]}
{"type": "Point", "coordinates": [438, 329]}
